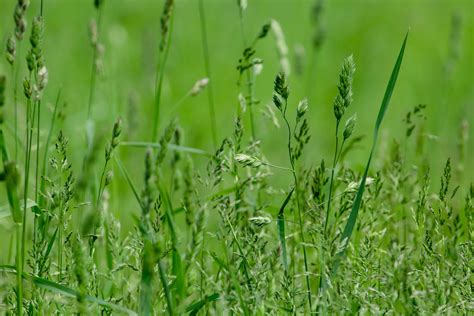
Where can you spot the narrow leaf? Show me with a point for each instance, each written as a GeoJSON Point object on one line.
{"type": "Point", "coordinates": [347, 233]}
{"type": "Point", "coordinates": [281, 229]}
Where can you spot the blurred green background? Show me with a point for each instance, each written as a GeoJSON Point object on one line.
{"type": "Point", "coordinates": [370, 30]}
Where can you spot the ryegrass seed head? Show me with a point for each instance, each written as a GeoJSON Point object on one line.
{"type": "Point", "coordinates": [11, 50]}
{"type": "Point", "coordinates": [19, 17]}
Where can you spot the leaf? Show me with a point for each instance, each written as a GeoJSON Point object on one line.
{"type": "Point", "coordinates": [281, 229]}
{"type": "Point", "coordinates": [64, 290]}
{"type": "Point", "coordinates": [129, 180]}
{"type": "Point", "coordinates": [194, 308]}
{"type": "Point", "coordinates": [347, 233]}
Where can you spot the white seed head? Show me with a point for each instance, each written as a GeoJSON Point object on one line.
{"type": "Point", "coordinates": [247, 160]}
{"type": "Point", "coordinates": [199, 86]}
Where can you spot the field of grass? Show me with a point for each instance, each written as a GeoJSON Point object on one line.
{"type": "Point", "coordinates": [236, 157]}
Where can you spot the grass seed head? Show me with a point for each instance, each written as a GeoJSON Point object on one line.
{"type": "Point", "coordinates": [19, 17]}
{"type": "Point", "coordinates": [11, 50]}
{"type": "Point", "coordinates": [349, 127]}
{"type": "Point", "coordinates": [165, 22]}
{"type": "Point", "coordinates": [281, 86]}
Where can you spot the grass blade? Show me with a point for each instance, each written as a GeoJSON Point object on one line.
{"type": "Point", "coordinates": [281, 229]}
{"type": "Point", "coordinates": [346, 235]}
{"type": "Point", "coordinates": [194, 308]}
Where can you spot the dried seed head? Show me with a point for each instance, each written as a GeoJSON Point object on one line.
{"type": "Point", "coordinates": [349, 127]}
{"type": "Point", "coordinates": [199, 86]}
{"type": "Point", "coordinates": [11, 50]}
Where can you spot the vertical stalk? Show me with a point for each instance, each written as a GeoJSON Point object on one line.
{"type": "Point", "coordinates": [249, 82]}
{"type": "Point", "coordinates": [205, 47]}
{"type": "Point", "coordinates": [162, 58]}
{"type": "Point", "coordinates": [328, 212]}
{"type": "Point", "coordinates": [300, 219]}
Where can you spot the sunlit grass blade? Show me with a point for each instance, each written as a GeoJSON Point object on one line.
{"type": "Point", "coordinates": [347, 233]}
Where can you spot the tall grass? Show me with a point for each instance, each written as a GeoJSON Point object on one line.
{"type": "Point", "coordinates": [218, 232]}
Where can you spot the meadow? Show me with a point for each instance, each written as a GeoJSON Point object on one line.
{"type": "Point", "coordinates": [236, 157]}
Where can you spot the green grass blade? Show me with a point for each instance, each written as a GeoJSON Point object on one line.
{"type": "Point", "coordinates": [281, 230]}
{"type": "Point", "coordinates": [129, 181]}
{"type": "Point", "coordinates": [195, 307]}
{"type": "Point", "coordinates": [346, 235]}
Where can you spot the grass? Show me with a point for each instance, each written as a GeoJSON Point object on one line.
{"type": "Point", "coordinates": [229, 212]}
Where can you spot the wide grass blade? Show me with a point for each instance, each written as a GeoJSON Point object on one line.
{"type": "Point", "coordinates": [195, 307]}
{"type": "Point", "coordinates": [347, 233]}
{"type": "Point", "coordinates": [65, 291]}
{"type": "Point", "coordinates": [281, 229]}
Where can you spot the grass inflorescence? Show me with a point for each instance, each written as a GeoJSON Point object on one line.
{"type": "Point", "coordinates": [141, 222]}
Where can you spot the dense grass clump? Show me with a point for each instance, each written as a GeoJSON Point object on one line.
{"type": "Point", "coordinates": [140, 221]}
